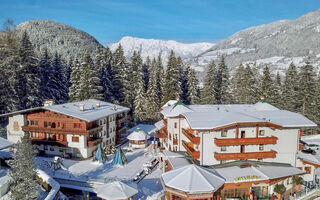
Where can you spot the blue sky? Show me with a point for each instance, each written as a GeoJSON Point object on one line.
{"type": "Point", "coordinates": [181, 20]}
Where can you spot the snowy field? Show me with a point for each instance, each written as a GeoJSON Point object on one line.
{"type": "Point", "coordinates": [87, 170]}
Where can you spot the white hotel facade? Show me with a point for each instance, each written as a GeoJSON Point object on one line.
{"type": "Point", "coordinates": [216, 134]}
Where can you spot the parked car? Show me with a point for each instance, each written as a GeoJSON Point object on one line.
{"type": "Point", "coordinates": [312, 146]}
{"type": "Point", "coordinates": [310, 151]}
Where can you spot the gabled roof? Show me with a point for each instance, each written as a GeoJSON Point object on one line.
{"type": "Point", "coordinates": [193, 179]}
{"type": "Point", "coordinates": [176, 109]}
{"type": "Point", "coordinates": [90, 113]}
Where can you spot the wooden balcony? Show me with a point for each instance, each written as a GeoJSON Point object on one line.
{"type": "Point", "coordinates": [95, 142]}
{"type": "Point", "coordinates": [62, 131]}
{"type": "Point", "coordinates": [162, 133]}
{"type": "Point", "coordinates": [165, 122]}
{"type": "Point", "coordinates": [245, 156]}
{"type": "Point", "coordinates": [194, 154]}
{"type": "Point", "coordinates": [245, 141]}
{"type": "Point", "coordinates": [49, 142]}
{"type": "Point", "coordinates": [189, 134]}
{"type": "Point", "coordinates": [175, 141]}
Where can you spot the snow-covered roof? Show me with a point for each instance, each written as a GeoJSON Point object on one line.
{"type": "Point", "coordinates": [117, 190]}
{"type": "Point", "coordinates": [159, 124]}
{"type": "Point", "coordinates": [176, 160]}
{"type": "Point", "coordinates": [235, 174]}
{"type": "Point", "coordinates": [214, 116]}
{"type": "Point", "coordinates": [169, 103]}
{"type": "Point", "coordinates": [5, 143]}
{"type": "Point", "coordinates": [193, 179]}
{"type": "Point", "coordinates": [148, 128]}
{"type": "Point", "coordinates": [137, 135]}
{"type": "Point", "coordinates": [315, 159]}
{"type": "Point", "coordinates": [91, 111]}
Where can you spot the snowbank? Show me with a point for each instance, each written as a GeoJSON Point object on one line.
{"type": "Point", "coordinates": [55, 186]}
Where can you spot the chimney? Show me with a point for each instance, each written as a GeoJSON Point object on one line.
{"type": "Point", "coordinates": [261, 97]}
{"type": "Point", "coordinates": [97, 104]}
{"type": "Point", "coordinates": [81, 106]}
{"type": "Point", "coordinates": [177, 98]}
{"type": "Point", "coordinates": [48, 102]}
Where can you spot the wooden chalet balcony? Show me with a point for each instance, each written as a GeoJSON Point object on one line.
{"type": "Point", "coordinates": [189, 134]}
{"type": "Point", "coordinates": [245, 156]}
{"type": "Point", "coordinates": [165, 122]}
{"type": "Point", "coordinates": [92, 143]}
{"type": "Point", "coordinates": [245, 141]}
{"type": "Point", "coordinates": [62, 131]}
{"type": "Point", "coordinates": [175, 141]}
{"type": "Point", "coordinates": [194, 154]}
{"type": "Point", "coordinates": [162, 133]}
{"type": "Point", "coordinates": [49, 142]}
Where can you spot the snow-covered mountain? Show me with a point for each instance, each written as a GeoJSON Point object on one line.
{"type": "Point", "coordinates": [276, 44]}
{"type": "Point", "coordinates": [152, 48]}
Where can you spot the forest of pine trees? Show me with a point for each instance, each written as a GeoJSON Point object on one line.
{"type": "Point", "coordinates": [27, 79]}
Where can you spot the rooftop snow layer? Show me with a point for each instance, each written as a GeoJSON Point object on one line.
{"type": "Point", "coordinates": [91, 111]}
{"type": "Point", "coordinates": [193, 179]}
{"type": "Point", "coordinates": [137, 135]}
{"type": "Point", "coordinates": [117, 190]}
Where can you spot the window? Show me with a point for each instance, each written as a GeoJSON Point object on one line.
{"type": "Point", "coordinates": [222, 161]}
{"type": "Point", "coordinates": [261, 132]}
{"type": "Point", "coordinates": [36, 123]}
{"type": "Point", "coordinates": [32, 122]}
{"type": "Point", "coordinates": [100, 122]}
{"type": "Point", "coordinates": [51, 149]}
{"type": "Point", "coordinates": [308, 170]}
{"type": "Point", "coordinates": [260, 159]}
{"type": "Point", "coordinates": [175, 125]}
{"type": "Point", "coordinates": [261, 147]}
{"type": "Point", "coordinates": [45, 147]}
{"type": "Point", "coordinates": [75, 139]}
{"type": "Point", "coordinates": [223, 148]}
{"type": "Point", "coordinates": [58, 124]}
{"type": "Point", "coordinates": [224, 133]}
{"type": "Point", "coordinates": [49, 123]}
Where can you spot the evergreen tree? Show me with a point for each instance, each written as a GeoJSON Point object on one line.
{"type": "Point", "coordinates": [223, 83]}
{"type": "Point", "coordinates": [171, 88]}
{"type": "Point", "coordinates": [9, 67]}
{"type": "Point", "coordinates": [183, 79]}
{"type": "Point", "coordinates": [307, 89]}
{"type": "Point", "coordinates": [317, 101]}
{"type": "Point", "coordinates": [23, 184]}
{"type": "Point", "coordinates": [267, 86]}
{"type": "Point", "coordinates": [121, 90]}
{"type": "Point", "coordinates": [135, 78]}
{"type": "Point", "coordinates": [290, 89]}
{"type": "Point", "coordinates": [251, 90]}
{"type": "Point", "coordinates": [44, 67]}
{"type": "Point", "coordinates": [193, 89]}
{"type": "Point", "coordinates": [239, 85]}
{"type": "Point", "coordinates": [108, 77]}
{"type": "Point", "coordinates": [159, 78]}
{"type": "Point", "coordinates": [98, 71]}
{"type": "Point", "coordinates": [58, 83]}
{"type": "Point", "coordinates": [277, 95]}
{"type": "Point", "coordinates": [74, 90]}
{"type": "Point", "coordinates": [209, 91]}
{"type": "Point", "coordinates": [146, 72]}
{"type": "Point", "coordinates": [87, 83]}
{"type": "Point", "coordinates": [153, 101]}
{"type": "Point", "coordinates": [29, 83]}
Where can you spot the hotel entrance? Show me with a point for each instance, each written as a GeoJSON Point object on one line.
{"type": "Point", "coordinates": [260, 192]}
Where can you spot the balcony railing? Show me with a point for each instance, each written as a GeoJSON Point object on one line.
{"type": "Point", "coordinates": [245, 141]}
{"type": "Point", "coordinates": [162, 133]}
{"type": "Point", "coordinates": [49, 142]}
{"type": "Point", "coordinates": [189, 134]}
{"type": "Point", "coordinates": [194, 154]}
{"type": "Point", "coordinates": [92, 143]}
{"type": "Point", "coordinates": [245, 156]}
{"type": "Point", "coordinates": [165, 122]}
{"type": "Point", "coordinates": [62, 131]}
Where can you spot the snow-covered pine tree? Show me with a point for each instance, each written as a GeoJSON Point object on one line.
{"type": "Point", "coordinates": [266, 85]}
{"type": "Point", "coordinates": [317, 101]}
{"type": "Point", "coordinates": [152, 104]}
{"type": "Point", "coordinates": [290, 89]}
{"type": "Point", "coordinates": [135, 76]}
{"type": "Point", "coordinates": [238, 85]}
{"type": "Point", "coordinates": [193, 88]}
{"type": "Point", "coordinates": [139, 88]}
{"type": "Point", "coordinates": [44, 67]}
{"type": "Point", "coordinates": [251, 85]}
{"type": "Point", "coordinates": [120, 79]}
{"type": "Point", "coordinates": [146, 72]}
{"type": "Point", "coordinates": [98, 71]}
{"type": "Point", "coordinates": [209, 90]}
{"type": "Point", "coordinates": [87, 85]}
{"type": "Point", "coordinates": [171, 87]}
{"type": "Point", "coordinates": [74, 90]}
{"type": "Point", "coordinates": [23, 184]}
{"type": "Point", "coordinates": [29, 81]}
{"type": "Point", "coordinates": [9, 66]}
{"type": "Point", "coordinates": [307, 89]}
{"type": "Point", "coordinates": [277, 95]}
{"type": "Point", "coordinates": [59, 84]}
{"type": "Point", "coordinates": [183, 79]}
{"type": "Point", "coordinates": [223, 83]}
{"type": "Point", "coordinates": [159, 78]}
{"type": "Point", "coordinates": [108, 77]}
